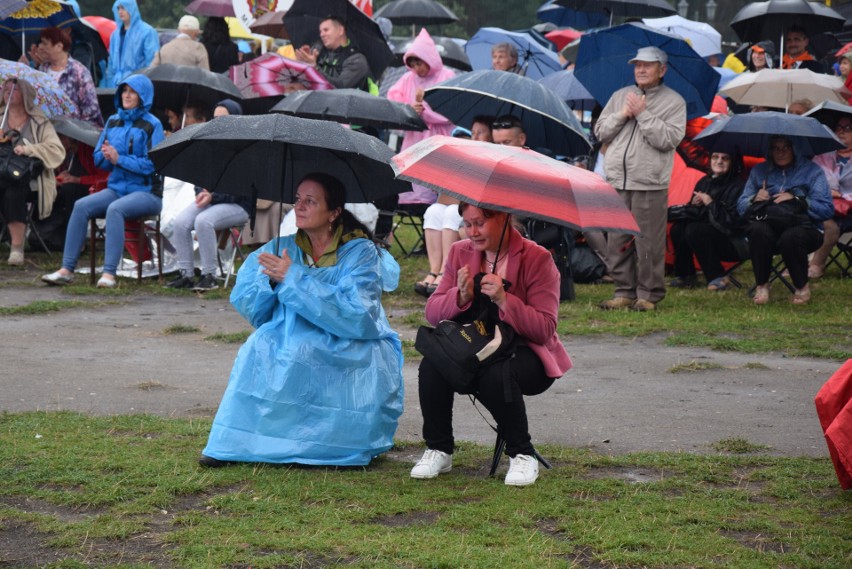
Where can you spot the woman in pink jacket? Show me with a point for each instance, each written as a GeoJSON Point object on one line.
{"type": "Point", "coordinates": [520, 285]}
{"type": "Point", "coordinates": [426, 69]}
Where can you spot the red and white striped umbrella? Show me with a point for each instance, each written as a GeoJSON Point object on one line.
{"type": "Point", "coordinates": [515, 180]}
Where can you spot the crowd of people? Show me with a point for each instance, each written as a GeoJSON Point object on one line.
{"type": "Point", "coordinates": [339, 401]}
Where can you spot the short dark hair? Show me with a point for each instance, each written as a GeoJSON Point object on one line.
{"type": "Point", "coordinates": [335, 197]}
{"type": "Point", "coordinates": [507, 121]}
{"type": "Point", "coordinates": [796, 28]}
{"type": "Point", "coordinates": [57, 35]}
{"type": "Point", "coordinates": [483, 119]}
{"type": "Point", "coordinates": [336, 19]}
{"type": "Point", "coordinates": [199, 111]}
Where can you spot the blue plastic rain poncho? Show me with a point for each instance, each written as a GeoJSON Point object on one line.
{"type": "Point", "coordinates": [320, 379]}
{"type": "Point", "coordinates": [132, 49]}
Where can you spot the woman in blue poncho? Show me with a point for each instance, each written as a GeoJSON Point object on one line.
{"type": "Point", "coordinates": [320, 380]}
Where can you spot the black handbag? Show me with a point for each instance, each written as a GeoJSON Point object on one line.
{"type": "Point", "coordinates": [14, 169]}
{"type": "Point", "coordinates": [687, 212]}
{"type": "Point", "coordinates": [780, 216]}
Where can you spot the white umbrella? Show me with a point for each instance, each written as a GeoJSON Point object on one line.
{"type": "Point", "coordinates": [779, 87]}
{"type": "Point", "coordinates": [703, 38]}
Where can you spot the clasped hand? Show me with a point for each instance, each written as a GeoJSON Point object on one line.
{"type": "Point", "coordinates": [633, 105]}
{"type": "Point", "coordinates": [275, 267]}
{"type": "Point", "coordinates": [491, 286]}
{"type": "Point", "coordinates": [109, 152]}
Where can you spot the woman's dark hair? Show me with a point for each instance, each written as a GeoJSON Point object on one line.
{"type": "Point", "coordinates": [335, 197]}
{"type": "Point", "coordinates": [215, 32]}
{"type": "Point", "coordinates": [488, 213]}
{"type": "Point", "coordinates": [57, 35]}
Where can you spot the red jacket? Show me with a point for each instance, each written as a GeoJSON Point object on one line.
{"type": "Point", "coordinates": [532, 306]}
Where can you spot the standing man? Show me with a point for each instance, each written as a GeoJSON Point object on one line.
{"type": "Point", "coordinates": [643, 124]}
{"type": "Point", "coordinates": [339, 60]}
{"type": "Point", "coordinates": [132, 46]}
{"type": "Point", "coordinates": [184, 49]}
{"type": "Point", "coordinates": [796, 54]}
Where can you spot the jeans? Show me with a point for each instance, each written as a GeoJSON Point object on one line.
{"type": "Point", "coordinates": [206, 221]}
{"type": "Point", "coordinates": [116, 209]}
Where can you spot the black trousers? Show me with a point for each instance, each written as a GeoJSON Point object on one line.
{"type": "Point", "coordinates": [709, 245]}
{"type": "Point", "coordinates": [436, 402]}
{"type": "Point", "coordinates": [14, 202]}
{"type": "Point", "coordinates": [794, 244]}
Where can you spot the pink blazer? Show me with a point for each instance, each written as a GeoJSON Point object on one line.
{"type": "Point", "coordinates": [532, 306]}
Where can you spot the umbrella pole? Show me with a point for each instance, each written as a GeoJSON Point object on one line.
{"type": "Point", "coordinates": [500, 244]}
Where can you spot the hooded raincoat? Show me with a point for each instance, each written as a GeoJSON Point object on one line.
{"type": "Point", "coordinates": [46, 147]}
{"type": "Point", "coordinates": [803, 178]}
{"type": "Point", "coordinates": [132, 132]}
{"type": "Point", "coordinates": [130, 49]}
{"type": "Point", "coordinates": [405, 91]}
{"type": "Point", "coordinates": [320, 379]}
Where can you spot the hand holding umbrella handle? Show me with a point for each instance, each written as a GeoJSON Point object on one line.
{"type": "Point", "coordinates": [418, 101]}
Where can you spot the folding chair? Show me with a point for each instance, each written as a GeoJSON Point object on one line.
{"type": "Point", "coordinates": [403, 218]}
{"type": "Point", "coordinates": [232, 236]}
{"type": "Point", "coordinates": [146, 238]}
{"type": "Point", "coordinates": [776, 272]}
{"type": "Point", "coordinates": [31, 230]}
{"type": "Point", "coordinates": [842, 255]}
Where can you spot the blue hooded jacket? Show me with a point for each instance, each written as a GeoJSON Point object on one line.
{"type": "Point", "coordinates": [132, 132]}
{"type": "Point", "coordinates": [132, 49]}
{"type": "Point", "coordinates": [802, 178]}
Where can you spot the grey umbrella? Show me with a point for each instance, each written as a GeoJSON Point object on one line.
{"type": "Point", "coordinates": [79, 130]}
{"type": "Point", "coordinates": [416, 12]}
{"type": "Point", "coordinates": [350, 106]}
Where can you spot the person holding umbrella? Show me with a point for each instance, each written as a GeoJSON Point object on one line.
{"type": "Point", "coordinates": [787, 181]}
{"type": "Point", "coordinates": [338, 60]}
{"type": "Point", "coordinates": [516, 281]}
{"type": "Point", "coordinates": [796, 55]}
{"type": "Point", "coordinates": [132, 45]}
{"type": "Point", "coordinates": [320, 379]}
{"type": "Point", "coordinates": [642, 124]}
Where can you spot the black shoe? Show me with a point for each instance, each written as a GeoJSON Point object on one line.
{"type": "Point", "coordinates": [210, 462]}
{"type": "Point", "coordinates": [180, 282]}
{"type": "Point", "coordinates": [206, 282]}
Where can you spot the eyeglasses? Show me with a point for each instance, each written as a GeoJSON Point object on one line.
{"type": "Point", "coordinates": [843, 128]}
{"type": "Point", "coordinates": [781, 148]}
{"type": "Point", "coordinates": [502, 125]}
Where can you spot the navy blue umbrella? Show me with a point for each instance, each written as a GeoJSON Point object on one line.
{"type": "Point", "coordinates": [564, 17]}
{"type": "Point", "coordinates": [602, 65]}
{"type": "Point", "coordinates": [618, 9]}
{"type": "Point", "coordinates": [748, 134]}
{"type": "Point", "coordinates": [535, 60]}
{"type": "Point", "coordinates": [548, 122]}
{"type": "Point", "coordinates": [566, 85]}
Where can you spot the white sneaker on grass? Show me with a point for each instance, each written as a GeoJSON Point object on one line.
{"type": "Point", "coordinates": [431, 464]}
{"type": "Point", "coordinates": [523, 470]}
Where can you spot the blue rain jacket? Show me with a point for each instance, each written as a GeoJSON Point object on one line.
{"type": "Point", "coordinates": [320, 379]}
{"type": "Point", "coordinates": [133, 133]}
{"type": "Point", "coordinates": [133, 52]}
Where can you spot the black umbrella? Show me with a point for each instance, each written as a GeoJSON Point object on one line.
{"type": "Point", "coordinates": [451, 52]}
{"type": "Point", "coordinates": [616, 9]}
{"type": "Point", "coordinates": [416, 12]}
{"type": "Point", "coordinates": [758, 21]}
{"type": "Point", "coordinates": [177, 85]}
{"type": "Point", "coordinates": [304, 17]}
{"type": "Point", "coordinates": [79, 130]}
{"type": "Point", "coordinates": [548, 122]}
{"type": "Point", "coordinates": [350, 106]}
{"type": "Point", "coordinates": [393, 74]}
{"type": "Point", "coordinates": [829, 112]}
{"type": "Point", "coordinates": [266, 156]}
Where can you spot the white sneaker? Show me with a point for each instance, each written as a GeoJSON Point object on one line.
{"type": "Point", "coordinates": [523, 470]}
{"type": "Point", "coordinates": [57, 278]}
{"type": "Point", "coordinates": [433, 463]}
{"type": "Point", "coordinates": [16, 258]}
{"type": "Point", "coordinates": [106, 282]}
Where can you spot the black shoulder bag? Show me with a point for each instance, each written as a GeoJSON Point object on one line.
{"type": "Point", "coordinates": [14, 169]}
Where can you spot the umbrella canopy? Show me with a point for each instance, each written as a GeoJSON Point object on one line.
{"type": "Point", "coordinates": [270, 24]}
{"type": "Point", "coordinates": [451, 52]}
{"type": "Point", "coordinates": [548, 122]}
{"type": "Point", "coordinates": [304, 17]}
{"type": "Point", "coordinates": [829, 112]}
{"type": "Point", "coordinates": [218, 8]}
{"type": "Point", "coordinates": [49, 96]}
{"type": "Point", "coordinates": [535, 60]}
{"type": "Point", "coordinates": [703, 38]}
{"type": "Point", "coordinates": [272, 74]}
{"type": "Point", "coordinates": [564, 17]}
{"type": "Point", "coordinates": [748, 134]}
{"type": "Point", "coordinates": [616, 9]}
{"type": "Point", "coordinates": [602, 65]}
{"type": "Point", "coordinates": [515, 180]}
{"type": "Point", "coordinates": [393, 74]}
{"type": "Point", "coordinates": [176, 85]}
{"type": "Point", "coordinates": [780, 87]}
{"type": "Point", "coordinates": [9, 7]}
{"type": "Point", "coordinates": [563, 37]}
{"type": "Point", "coordinates": [569, 89]}
{"type": "Point", "coordinates": [266, 156]}
{"type": "Point", "coordinates": [350, 106]}
{"type": "Point", "coordinates": [758, 21]}
{"type": "Point", "coordinates": [79, 130]}
{"type": "Point", "coordinates": [416, 12]}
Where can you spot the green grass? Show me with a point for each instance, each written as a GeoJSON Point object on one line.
{"type": "Point", "coordinates": [43, 307]}
{"type": "Point", "coordinates": [229, 338]}
{"type": "Point", "coordinates": [124, 491]}
{"type": "Point", "coordinates": [181, 329]}
{"type": "Point", "coordinates": [737, 445]}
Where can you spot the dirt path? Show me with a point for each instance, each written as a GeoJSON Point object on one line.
{"type": "Point", "coordinates": [620, 397]}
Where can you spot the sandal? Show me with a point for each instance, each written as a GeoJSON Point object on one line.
{"type": "Point", "coordinates": [815, 271]}
{"type": "Point", "coordinates": [422, 287]}
{"type": "Point", "coordinates": [432, 287]}
{"type": "Point", "coordinates": [761, 294]}
{"type": "Point", "coordinates": [802, 295]}
{"type": "Point", "coordinates": [719, 284]}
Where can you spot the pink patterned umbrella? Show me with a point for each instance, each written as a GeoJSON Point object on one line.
{"type": "Point", "coordinates": [272, 74]}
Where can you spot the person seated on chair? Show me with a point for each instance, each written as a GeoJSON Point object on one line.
{"type": "Point", "coordinates": [786, 176]}
{"type": "Point", "coordinates": [838, 171]}
{"type": "Point", "coordinates": [320, 379]}
{"type": "Point", "coordinates": [122, 150]}
{"type": "Point", "coordinates": [713, 233]}
{"type": "Point", "coordinates": [520, 286]}
{"type": "Point", "coordinates": [30, 133]}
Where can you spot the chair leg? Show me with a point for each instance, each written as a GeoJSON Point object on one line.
{"type": "Point", "coordinates": [93, 230]}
